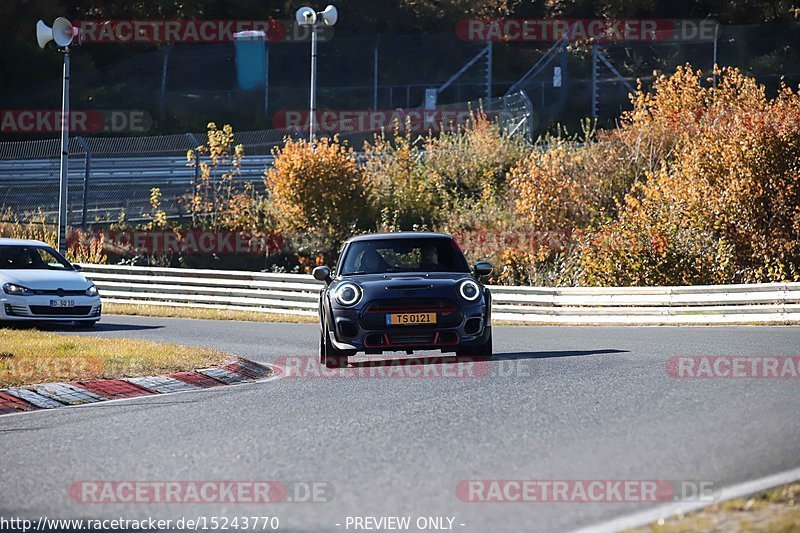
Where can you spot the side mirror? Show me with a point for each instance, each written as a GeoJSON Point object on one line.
{"type": "Point", "coordinates": [77, 267]}
{"type": "Point", "coordinates": [483, 268]}
{"type": "Point", "coordinates": [322, 273]}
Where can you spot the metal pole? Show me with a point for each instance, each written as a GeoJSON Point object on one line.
{"type": "Point", "coordinates": [489, 70]}
{"type": "Point", "coordinates": [313, 98]}
{"type": "Point", "coordinates": [87, 171]}
{"type": "Point", "coordinates": [163, 92]}
{"type": "Point", "coordinates": [266, 77]}
{"type": "Point", "coordinates": [594, 80]}
{"type": "Point", "coordinates": [714, 68]}
{"type": "Point", "coordinates": [375, 73]}
{"type": "Point", "coordinates": [64, 174]}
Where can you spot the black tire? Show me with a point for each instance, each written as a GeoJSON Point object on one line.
{"type": "Point", "coordinates": [330, 355]}
{"type": "Point", "coordinates": [482, 350]}
{"type": "Point", "coordinates": [86, 324]}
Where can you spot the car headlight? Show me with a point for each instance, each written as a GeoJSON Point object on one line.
{"type": "Point", "coordinates": [16, 290]}
{"type": "Point", "coordinates": [469, 290]}
{"type": "Point", "coordinates": [91, 291]}
{"type": "Point", "coordinates": [348, 293]}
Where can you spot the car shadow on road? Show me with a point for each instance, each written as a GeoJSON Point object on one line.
{"type": "Point", "coordinates": [99, 328]}
{"type": "Point", "coordinates": [377, 361]}
{"type": "Point", "coordinates": [514, 356]}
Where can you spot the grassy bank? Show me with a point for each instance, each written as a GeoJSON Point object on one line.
{"type": "Point", "coordinates": [774, 510]}
{"type": "Point", "coordinates": [29, 356]}
{"type": "Point", "coordinates": [208, 314]}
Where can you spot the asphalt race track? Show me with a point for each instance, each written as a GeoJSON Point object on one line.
{"type": "Point", "coordinates": [559, 403]}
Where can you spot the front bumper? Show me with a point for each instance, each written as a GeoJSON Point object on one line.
{"type": "Point", "coordinates": [363, 330]}
{"type": "Point", "coordinates": [37, 308]}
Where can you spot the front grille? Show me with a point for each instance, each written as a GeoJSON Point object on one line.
{"type": "Point", "coordinates": [79, 310]}
{"type": "Point", "coordinates": [404, 338]}
{"type": "Point", "coordinates": [58, 292]}
{"type": "Point", "coordinates": [411, 337]}
{"type": "Point", "coordinates": [409, 304]}
{"type": "Point", "coordinates": [447, 314]}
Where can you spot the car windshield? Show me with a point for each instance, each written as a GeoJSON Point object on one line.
{"type": "Point", "coordinates": [31, 258]}
{"type": "Point", "coordinates": [380, 256]}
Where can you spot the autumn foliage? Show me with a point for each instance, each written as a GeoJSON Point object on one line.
{"type": "Point", "coordinates": [724, 204]}
{"type": "Point", "coordinates": [699, 183]}
{"type": "Point", "coordinates": [319, 189]}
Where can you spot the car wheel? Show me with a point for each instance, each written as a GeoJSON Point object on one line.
{"type": "Point", "coordinates": [87, 325]}
{"type": "Point", "coordinates": [330, 355]}
{"type": "Point", "coordinates": [482, 350]}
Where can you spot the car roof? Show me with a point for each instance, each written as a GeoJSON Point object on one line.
{"type": "Point", "coordinates": [21, 242]}
{"type": "Point", "coordinates": [400, 235]}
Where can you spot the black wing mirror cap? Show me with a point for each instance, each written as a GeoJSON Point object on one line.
{"type": "Point", "coordinates": [483, 268]}
{"type": "Point", "coordinates": [322, 273]}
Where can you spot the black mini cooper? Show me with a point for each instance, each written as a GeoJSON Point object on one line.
{"type": "Point", "coordinates": [403, 292]}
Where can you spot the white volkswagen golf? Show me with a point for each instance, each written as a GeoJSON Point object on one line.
{"type": "Point", "coordinates": [39, 284]}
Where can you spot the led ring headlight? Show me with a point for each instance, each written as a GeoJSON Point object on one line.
{"type": "Point", "coordinates": [348, 293]}
{"type": "Point", "coordinates": [469, 290]}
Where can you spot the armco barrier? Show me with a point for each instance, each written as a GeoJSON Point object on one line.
{"type": "Point", "coordinates": [298, 294]}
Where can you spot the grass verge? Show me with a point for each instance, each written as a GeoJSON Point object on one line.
{"type": "Point", "coordinates": [209, 314]}
{"type": "Point", "coordinates": [258, 316]}
{"type": "Point", "coordinates": [29, 356]}
{"type": "Point", "coordinates": [775, 510]}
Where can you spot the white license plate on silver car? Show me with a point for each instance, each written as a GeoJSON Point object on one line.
{"type": "Point", "coordinates": [62, 303]}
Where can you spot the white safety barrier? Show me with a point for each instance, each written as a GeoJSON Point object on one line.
{"type": "Point", "coordinates": [298, 294]}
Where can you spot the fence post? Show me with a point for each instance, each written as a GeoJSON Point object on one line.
{"type": "Point", "coordinates": [163, 91]}
{"type": "Point", "coordinates": [87, 171]}
{"type": "Point", "coordinates": [594, 81]}
{"type": "Point", "coordinates": [375, 73]}
{"type": "Point", "coordinates": [489, 66]}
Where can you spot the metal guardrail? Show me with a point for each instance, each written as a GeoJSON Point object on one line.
{"type": "Point", "coordinates": [298, 294]}
{"type": "Point", "coordinates": [112, 176]}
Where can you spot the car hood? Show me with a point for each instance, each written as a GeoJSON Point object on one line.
{"type": "Point", "coordinates": [69, 280]}
{"type": "Point", "coordinates": [380, 286]}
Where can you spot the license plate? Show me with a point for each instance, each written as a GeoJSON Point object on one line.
{"type": "Point", "coordinates": [62, 303]}
{"type": "Point", "coordinates": [410, 319]}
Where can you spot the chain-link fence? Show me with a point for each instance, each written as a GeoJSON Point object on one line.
{"type": "Point", "coordinates": [180, 87]}
{"type": "Point", "coordinates": [571, 80]}
{"type": "Point", "coordinates": [111, 178]}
